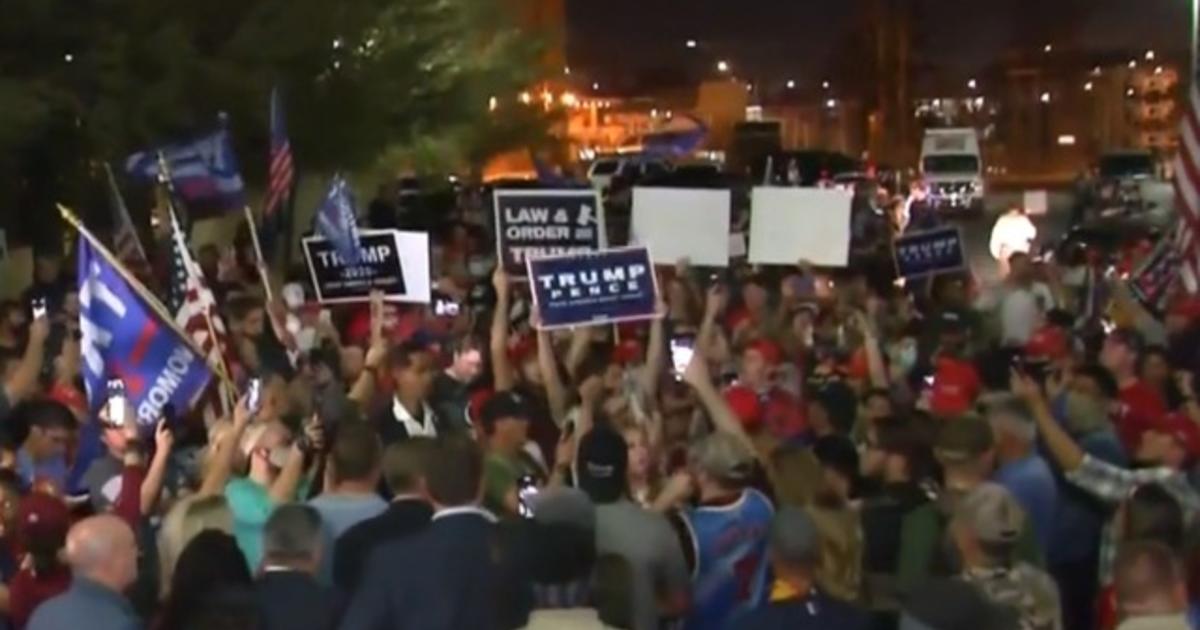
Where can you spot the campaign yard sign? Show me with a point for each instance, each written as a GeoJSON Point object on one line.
{"type": "Point", "coordinates": [540, 223]}
{"type": "Point", "coordinates": [391, 261]}
{"type": "Point", "coordinates": [613, 285]}
{"type": "Point", "coordinates": [928, 253]}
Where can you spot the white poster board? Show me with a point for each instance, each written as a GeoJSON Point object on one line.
{"type": "Point", "coordinates": [792, 224]}
{"type": "Point", "coordinates": [677, 223]}
{"type": "Point", "coordinates": [1037, 203]}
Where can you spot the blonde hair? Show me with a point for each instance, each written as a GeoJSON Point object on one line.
{"type": "Point", "coordinates": [183, 522]}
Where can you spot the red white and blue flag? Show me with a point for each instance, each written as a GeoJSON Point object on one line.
{"type": "Point", "coordinates": [281, 174]}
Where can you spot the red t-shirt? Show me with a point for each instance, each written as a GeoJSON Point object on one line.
{"type": "Point", "coordinates": [27, 591]}
{"type": "Point", "coordinates": [783, 415]}
{"type": "Point", "coordinates": [955, 386]}
{"type": "Point", "coordinates": [1142, 408]}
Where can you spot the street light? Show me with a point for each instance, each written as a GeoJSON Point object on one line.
{"type": "Point", "coordinates": [1045, 97]}
{"type": "Point", "coordinates": [567, 70]}
{"type": "Point", "coordinates": [791, 84]}
{"type": "Point", "coordinates": [1149, 55]}
{"type": "Point", "coordinates": [722, 66]}
{"type": "Point", "coordinates": [68, 57]}
{"type": "Point", "coordinates": [831, 103]}
{"type": "Point", "coordinates": [1048, 48]}
{"type": "Point", "coordinates": [1132, 64]}
{"type": "Point", "coordinates": [825, 85]}
{"type": "Point", "coordinates": [1087, 87]}
{"type": "Point", "coordinates": [971, 84]}
{"type": "Point", "coordinates": [596, 87]}
{"type": "Point", "coordinates": [691, 43]}
{"type": "Point", "coordinates": [526, 97]}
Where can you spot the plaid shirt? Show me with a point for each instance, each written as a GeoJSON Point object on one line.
{"type": "Point", "coordinates": [1114, 484]}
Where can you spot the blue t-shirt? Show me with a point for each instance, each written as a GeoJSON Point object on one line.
{"type": "Point", "coordinates": [53, 469]}
{"type": "Point", "coordinates": [340, 512]}
{"type": "Point", "coordinates": [730, 541]}
{"type": "Point", "coordinates": [1032, 484]}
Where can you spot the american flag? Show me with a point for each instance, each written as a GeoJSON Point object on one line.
{"type": "Point", "coordinates": [125, 239]}
{"type": "Point", "coordinates": [282, 172]}
{"type": "Point", "coordinates": [193, 304]}
{"type": "Point", "coordinates": [1187, 188]}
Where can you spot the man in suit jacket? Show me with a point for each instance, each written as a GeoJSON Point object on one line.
{"type": "Point", "coordinates": [404, 465]}
{"type": "Point", "coordinates": [289, 595]}
{"type": "Point", "coordinates": [463, 572]}
{"type": "Point", "coordinates": [408, 415]}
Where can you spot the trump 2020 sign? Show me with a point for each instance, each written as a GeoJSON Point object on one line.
{"type": "Point", "coordinates": [614, 285]}
{"type": "Point", "coordinates": [928, 253]}
{"type": "Point", "coordinates": [391, 261]}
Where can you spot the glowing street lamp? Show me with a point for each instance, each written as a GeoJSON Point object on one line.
{"type": "Point", "coordinates": [722, 66]}
{"type": "Point", "coordinates": [791, 84]}
{"type": "Point", "coordinates": [1045, 97]}
{"type": "Point", "coordinates": [971, 84]}
{"type": "Point", "coordinates": [691, 43]}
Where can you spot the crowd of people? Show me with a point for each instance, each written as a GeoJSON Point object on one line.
{"type": "Point", "coordinates": [842, 450]}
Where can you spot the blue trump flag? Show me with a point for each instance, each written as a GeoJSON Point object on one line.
{"type": "Point", "coordinates": [337, 220]}
{"type": "Point", "coordinates": [123, 337]}
{"type": "Point", "coordinates": [204, 171]}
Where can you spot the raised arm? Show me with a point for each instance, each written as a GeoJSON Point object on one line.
{"type": "Point", "coordinates": [502, 370]}
{"type": "Point", "coordinates": [221, 459]}
{"type": "Point", "coordinates": [713, 304]}
{"type": "Point", "coordinates": [284, 488]}
{"type": "Point", "coordinates": [23, 382]}
{"type": "Point", "coordinates": [152, 485]}
{"type": "Point", "coordinates": [724, 419]}
{"type": "Point", "coordinates": [655, 356]}
{"type": "Point", "coordinates": [1061, 446]}
{"type": "Point", "coordinates": [875, 365]}
{"type": "Point", "coordinates": [364, 387]}
{"type": "Point", "coordinates": [556, 392]}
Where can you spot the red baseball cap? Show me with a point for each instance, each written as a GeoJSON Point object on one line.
{"type": "Point", "coordinates": [627, 352]}
{"type": "Point", "coordinates": [745, 405]}
{"type": "Point", "coordinates": [1048, 342]}
{"type": "Point", "coordinates": [769, 351]}
{"type": "Point", "coordinates": [522, 348]}
{"type": "Point", "coordinates": [43, 517]}
{"type": "Point", "coordinates": [955, 385]}
{"type": "Point", "coordinates": [1184, 430]}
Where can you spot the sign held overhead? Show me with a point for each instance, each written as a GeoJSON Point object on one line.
{"type": "Point", "coordinates": [391, 261]}
{"type": "Point", "coordinates": [539, 223]}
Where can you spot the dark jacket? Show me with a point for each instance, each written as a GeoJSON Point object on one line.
{"type": "Point", "coordinates": [816, 612]}
{"type": "Point", "coordinates": [354, 547]}
{"type": "Point", "coordinates": [292, 600]}
{"type": "Point", "coordinates": [463, 572]}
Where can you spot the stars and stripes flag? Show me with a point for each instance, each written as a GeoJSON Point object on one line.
{"type": "Point", "coordinates": [1153, 282]}
{"type": "Point", "coordinates": [193, 304]}
{"type": "Point", "coordinates": [126, 244]}
{"type": "Point", "coordinates": [1187, 188]}
{"type": "Point", "coordinates": [281, 175]}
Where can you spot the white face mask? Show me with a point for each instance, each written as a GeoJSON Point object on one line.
{"type": "Point", "coordinates": [904, 355]}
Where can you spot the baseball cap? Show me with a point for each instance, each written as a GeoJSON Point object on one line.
{"type": "Point", "coordinates": [963, 439]}
{"type": "Point", "coordinates": [1180, 427]}
{"type": "Point", "coordinates": [954, 387]}
{"type": "Point", "coordinates": [42, 517]}
{"type": "Point", "coordinates": [745, 405]}
{"type": "Point", "coordinates": [1048, 342]}
{"type": "Point", "coordinates": [769, 351]}
{"type": "Point", "coordinates": [507, 405]}
{"type": "Point", "coordinates": [724, 457]}
{"type": "Point", "coordinates": [992, 513]}
{"type": "Point", "coordinates": [603, 458]}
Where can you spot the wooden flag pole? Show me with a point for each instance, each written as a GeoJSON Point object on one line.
{"type": "Point", "coordinates": [149, 298]}
{"type": "Point", "coordinates": [262, 264]}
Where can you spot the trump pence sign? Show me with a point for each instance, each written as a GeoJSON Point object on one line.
{"type": "Point", "coordinates": [614, 285]}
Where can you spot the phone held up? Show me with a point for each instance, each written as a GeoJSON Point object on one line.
{"type": "Point", "coordinates": [116, 406]}
{"type": "Point", "coordinates": [37, 306]}
{"type": "Point", "coordinates": [526, 492]}
{"type": "Point", "coordinates": [682, 349]}
{"type": "Point", "coordinates": [254, 395]}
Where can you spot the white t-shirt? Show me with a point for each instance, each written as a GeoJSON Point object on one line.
{"type": "Point", "coordinates": [1021, 311]}
{"type": "Point", "coordinates": [1012, 232]}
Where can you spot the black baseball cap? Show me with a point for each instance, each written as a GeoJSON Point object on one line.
{"type": "Point", "coordinates": [503, 406]}
{"type": "Point", "coordinates": [602, 460]}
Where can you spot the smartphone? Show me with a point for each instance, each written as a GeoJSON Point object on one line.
{"type": "Point", "coordinates": [38, 307]}
{"type": "Point", "coordinates": [254, 395]}
{"type": "Point", "coordinates": [445, 307]}
{"type": "Point", "coordinates": [527, 490]}
{"type": "Point", "coordinates": [682, 349]}
{"type": "Point", "coordinates": [117, 403]}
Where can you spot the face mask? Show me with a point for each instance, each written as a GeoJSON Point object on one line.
{"type": "Point", "coordinates": [904, 355]}
{"type": "Point", "coordinates": [1082, 413]}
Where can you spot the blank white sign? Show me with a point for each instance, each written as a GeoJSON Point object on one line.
{"type": "Point", "coordinates": [792, 224]}
{"type": "Point", "coordinates": [677, 223]}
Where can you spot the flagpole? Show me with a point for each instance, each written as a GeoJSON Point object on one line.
{"type": "Point", "coordinates": [262, 264]}
{"type": "Point", "coordinates": [149, 298]}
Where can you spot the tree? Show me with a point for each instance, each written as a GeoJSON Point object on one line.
{"type": "Point", "coordinates": [80, 82]}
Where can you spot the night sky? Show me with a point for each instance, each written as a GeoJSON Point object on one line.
{"type": "Point", "coordinates": [797, 37]}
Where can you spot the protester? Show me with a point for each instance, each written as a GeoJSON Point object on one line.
{"type": "Point", "coordinates": [42, 460]}
{"type": "Point", "coordinates": [794, 550]}
{"type": "Point", "coordinates": [43, 521]}
{"type": "Point", "coordinates": [984, 528]}
{"type": "Point", "coordinates": [102, 554]}
{"type": "Point", "coordinates": [186, 520]}
{"type": "Point", "coordinates": [354, 468]}
{"type": "Point", "coordinates": [450, 392]}
{"type": "Point", "coordinates": [1012, 233]}
{"type": "Point", "coordinates": [411, 368]}
{"type": "Point", "coordinates": [642, 538]}
{"type": "Point", "coordinates": [404, 468]}
{"type": "Point", "coordinates": [1020, 469]}
{"type": "Point", "coordinates": [504, 425]}
{"type": "Point", "coordinates": [211, 560]}
{"type": "Point", "coordinates": [451, 575]}
{"type": "Point", "coordinates": [288, 590]}
{"type": "Point", "coordinates": [1150, 587]}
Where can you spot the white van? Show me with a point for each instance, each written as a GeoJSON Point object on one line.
{"type": "Point", "coordinates": [952, 167]}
